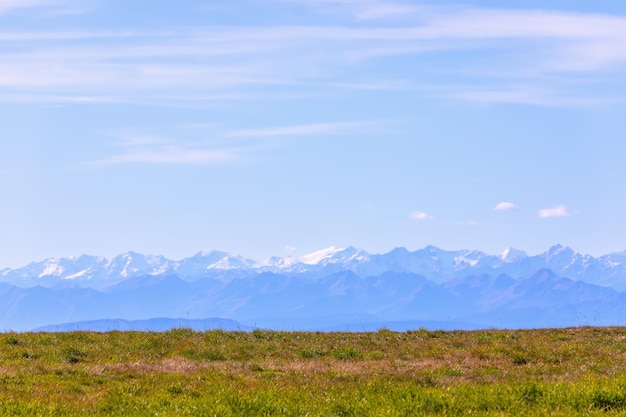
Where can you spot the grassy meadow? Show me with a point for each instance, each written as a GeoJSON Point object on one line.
{"type": "Point", "coordinates": [576, 371]}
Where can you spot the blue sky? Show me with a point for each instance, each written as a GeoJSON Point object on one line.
{"type": "Point", "coordinates": [277, 127]}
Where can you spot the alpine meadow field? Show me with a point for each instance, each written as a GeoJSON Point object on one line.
{"type": "Point", "coordinates": [573, 371]}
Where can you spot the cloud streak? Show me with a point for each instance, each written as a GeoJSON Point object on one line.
{"type": "Point", "coordinates": [149, 150]}
{"type": "Point", "coordinates": [12, 5]}
{"type": "Point", "coordinates": [304, 130]}
{"type": "Point", "coordinates": [525, 52]}
{"type": "Point", "coordinates": [366, 9]}
{"type": "Point", "coordinates": [420, 216]}
{"type": "Point", "coordinates": [558, 211]}
{"type": "Point", "coordinates": [171, 156]}
{"type": "Point", "coordinates": [505, 206]}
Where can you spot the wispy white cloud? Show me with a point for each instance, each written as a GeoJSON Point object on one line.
{"type": "Point", "coordinates": [385, 85]}
{"type": "Point", "coordinates": [525, 53]}
{"type": "Point", "coordinates": [64, 99]}
{"type": "Point", "coordinates": [136, 148]}
{"type": "Point", "coordinates": [532, 95]}
{"type": "Point", "coordinates": [144, 149]}
{"type": "Point", "coordinates": [65, 11]}
{"type": "Point", "coordinates": [506, 206]}
{"type": "Point", "coordinates": [363, 9]}
{"type": "Point", "coordinates": [170, 155]}
{"type": "Point", "coordinates": [558, 211]}
{"type": "Point", "coordinates": [420, 215]}
{"type": "Point", "coordinates": [379, 10]}
{"type": "Point", "coordinates": [11, 5]}
{"type": "Point", "coordinates": [62, 36]}
{"type": "Point", "coordinates": [308, 129]}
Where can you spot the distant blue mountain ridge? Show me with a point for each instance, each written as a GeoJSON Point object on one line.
{"type": "Point", "coordinates": [150, 325]}
{"type": "Point", "coordinates": [332, 289]}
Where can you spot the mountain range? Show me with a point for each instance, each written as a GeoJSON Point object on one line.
{"type": "Point", "coordinates": [436, 264]}
{"type": "Point", "coordinates": [331, 289]}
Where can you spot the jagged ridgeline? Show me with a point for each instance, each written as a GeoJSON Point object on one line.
{"type": "Point", "coordinates": [332, 289]}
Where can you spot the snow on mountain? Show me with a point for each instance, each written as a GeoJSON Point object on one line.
{"type": "Point", "coordinates": [331, 259]}
{"type": "Point", "coordinates": [431, 262]}
{"type": "Point", "coordinates": [198, 263]}
{"type": "Point", "coordinates": [333, 256]}
{"type": "Point", "coordinates": [445, 262]}
{"type": "Point", "coordinates": [469, 258]}
{"type": "Point", "coordinates": [510, 255]}
{"type": "Point", "coordinates": [203, 263]}
{"type": "Point", "coordinates": [132, 263]}
{"type": "Point", "coordinates": [434, 263]}
{"type": "Point", "coordinates": [230, 262]}
{"type": "Point", "coordinates": [277, 263]}
{"type": "Point", "coordinates": [319, 256]}
{"type": "Point", "coordinates": [613, 261]}
{"type": "Point", "coordinates": [54, 269]}
{"type": "Point", "coordinates": [554, 288]}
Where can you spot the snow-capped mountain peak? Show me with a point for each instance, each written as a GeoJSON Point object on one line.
{"type": "Point", "coordinates": [471, 258]}
{"type": "Point", "coordinates": [316, 257]}
{"type": "Point", "coordinates": [52, 266]}
{"type": "Point", "coordinates": [133, 263]}
{"type": "Point", "coordinates": [559, 250]}
{"type": "Point", "coordinates": [277, 262]}
{"type": "Point", "coordinates": [230, 262]}
{"type": "Point", "coordinates": [512, 255]}
{"type": "Point", "coordinates": [334, 255]}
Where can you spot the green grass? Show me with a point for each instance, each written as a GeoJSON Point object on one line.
{"type": "Point", "coordinates": [577, 371]}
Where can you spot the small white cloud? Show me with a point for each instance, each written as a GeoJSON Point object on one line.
{"type": "Point", "coordinates": [290, 249]}
{"type": "Point", "coordinates": [505, 206]}
{"type": "Point", "coordinates": [420, 215]}
{"type": "Point", "coordinates": [559, 211]}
